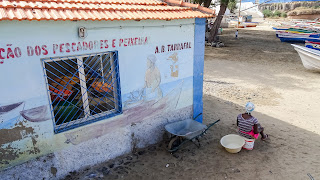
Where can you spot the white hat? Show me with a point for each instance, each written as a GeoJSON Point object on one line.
{"type": "Point", "coordinates": [249, 107]}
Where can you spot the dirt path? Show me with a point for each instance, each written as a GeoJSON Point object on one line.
{"type": "Point", "coordinates": [257, 67]}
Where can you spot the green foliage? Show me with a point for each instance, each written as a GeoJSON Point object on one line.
{"type": "Point", "coordinates": [283, 14]}
{"type": "Point", "coordinates": [267, 13]}
{"type": "Point", "coordinates": [225, 2]}
{"type": "Point", "coordinates": [232, 5]}
{"type": "Point", "coordinates": [277, 14]}
{"type": "Point", "coordinates": [196, 2]}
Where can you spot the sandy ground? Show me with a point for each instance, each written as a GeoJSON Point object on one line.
{"type": "Point", "coordinates": [257, 67]}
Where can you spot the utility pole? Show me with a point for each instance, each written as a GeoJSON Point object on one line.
{"type": "Point", "coordinates": [239, 15]}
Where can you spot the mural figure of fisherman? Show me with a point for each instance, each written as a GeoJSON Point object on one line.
{"type": "Point", "coordinates": [152, 80]}
{"type": "Point", "coordinates": [150, 90]}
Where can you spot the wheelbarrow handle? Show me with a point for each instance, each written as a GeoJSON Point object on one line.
{"type": "Point", "coordinates": [210, 125]}
{"type": "Point", "coordinates": [197, 116]}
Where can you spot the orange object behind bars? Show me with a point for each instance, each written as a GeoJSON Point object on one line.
{"type": "Point", "coordinates": [62, 94]}
{"type": "Point", "coordinates": [102, 87]}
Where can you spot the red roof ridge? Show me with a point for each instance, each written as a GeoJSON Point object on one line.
{"type": "Point", "coordinates": [186, 4]}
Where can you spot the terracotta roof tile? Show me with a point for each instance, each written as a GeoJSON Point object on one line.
{"type": "Point", "coordinates": [99, 10]}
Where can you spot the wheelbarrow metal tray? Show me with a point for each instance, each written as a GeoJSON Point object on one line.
{"type": "Point", "coordinates": [188, 128]}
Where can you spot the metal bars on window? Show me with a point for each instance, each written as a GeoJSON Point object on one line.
{"type": "Point", "coordinates": [82, 89]}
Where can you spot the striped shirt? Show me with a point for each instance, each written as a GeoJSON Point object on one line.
{"type": "Point", "coordinates": [246, 125]}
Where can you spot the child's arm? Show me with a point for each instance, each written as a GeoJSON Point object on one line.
{"type": "Point", "coordinates": [255, 126]}
{"type": "Point", "coordinates": [237, 122]}
{"type": "Point", "coordinates": [255, 129]}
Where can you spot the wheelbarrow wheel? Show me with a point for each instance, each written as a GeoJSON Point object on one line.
{"type": "Point", "coordinates": [174, 142]}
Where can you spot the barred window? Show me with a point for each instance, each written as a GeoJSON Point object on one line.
{"type": "Point", "coordinates": [82, 89]}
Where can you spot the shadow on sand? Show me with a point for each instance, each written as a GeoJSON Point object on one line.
{"type": "Point", "coordinates": [290, 153]}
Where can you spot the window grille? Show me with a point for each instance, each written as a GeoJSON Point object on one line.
{"type": "Point", "coordinates": [82, 89]}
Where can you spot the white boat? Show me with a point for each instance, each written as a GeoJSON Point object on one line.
{"type": "Point", "coordinates": [298, 37]}
{"type": "Point", "coordinates": [310, 57]}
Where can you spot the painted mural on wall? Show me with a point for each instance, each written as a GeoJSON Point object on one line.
{"type": "Point", "coordinates": [151, 89]}
{"type": "Point", "coordinates": [11, 114]}
{"type": "Point", "coordinates": [155, 79]}
{"type": "Point", "coordinates": [162, 91]}
{"type": "Point", "coordinates": [17, 129]}
{"type": "Point", "coordinates": [152, 80]}
{"type": "Point", "coordinates": [174, 67]}
{"type": "Point", "coordinates": [130, 116]}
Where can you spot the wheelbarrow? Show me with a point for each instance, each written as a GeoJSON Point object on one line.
{"type": "Point", "coordinates": [184, 131]}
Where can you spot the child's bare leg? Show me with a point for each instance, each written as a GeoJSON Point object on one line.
{"type": "Point", "coordinates": [263, 135]}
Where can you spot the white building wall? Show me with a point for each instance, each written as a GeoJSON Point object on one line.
{"type": "Point", "coordinates": [22, 80]}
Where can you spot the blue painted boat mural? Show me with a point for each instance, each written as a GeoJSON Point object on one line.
{"type": "Point", "coordinates": [37, 114]}
{"type": "Point", "coordinates": [10, 111]}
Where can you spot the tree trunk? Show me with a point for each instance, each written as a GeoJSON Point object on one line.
{"type": "Point", "coordinates": [207, 3]}
{"type": "Point", "coordinates": [217, 22]}
{"type": "Point", "coordinates": [200, 2]}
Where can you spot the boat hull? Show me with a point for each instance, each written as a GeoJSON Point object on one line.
{"type": "Point", "coordinates": [275, 28]}
{"type": "Point", "coordinates": [313, 45]}
{"type": "Point", "coordinates": [247, 25]}
{"type": "Point", "coordinates": [299, 39]}
{"type": "Point", "coordinates": [310, 58]}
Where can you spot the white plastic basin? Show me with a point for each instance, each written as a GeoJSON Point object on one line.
{"type": "Point", "coordinates": [232, 143]}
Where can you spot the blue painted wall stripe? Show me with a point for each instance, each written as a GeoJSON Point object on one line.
{"type": "Point", "coordinates": [198, 63]}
